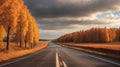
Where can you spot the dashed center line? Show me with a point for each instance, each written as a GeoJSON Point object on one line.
{"type": "Point", "coordinates": [64, 64]}
{"type": "Point", "coordinates": [59, 61]}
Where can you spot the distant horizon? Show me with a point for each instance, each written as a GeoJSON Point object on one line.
{"type": "Point", "coordinates": [75, 31]}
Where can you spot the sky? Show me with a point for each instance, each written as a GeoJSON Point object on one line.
{"type": "Point", "coordinates": [59, 17]}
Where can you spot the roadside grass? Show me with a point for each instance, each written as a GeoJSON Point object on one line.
{"type": "Point", "coordinates": [111, 50]}
{"type": "Point", "coordinates": [16, 52]}
{"type": "Point", "coordinates": [110, 46]}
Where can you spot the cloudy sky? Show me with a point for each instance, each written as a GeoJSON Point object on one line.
{"type": "Point", "coordinates": [58, 17]}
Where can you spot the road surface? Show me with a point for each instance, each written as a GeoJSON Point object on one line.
{"type": "Point", "coordinates": [58, 56]}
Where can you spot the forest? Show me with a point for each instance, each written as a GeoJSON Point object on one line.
{"type": "Point", "coordinates": [17, 24]}
{"type": "Point", "coordinates": [93, 35]}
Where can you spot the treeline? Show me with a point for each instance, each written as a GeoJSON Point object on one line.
{"type": "Point", "coordinates": [94, 35]}
{"type": "Point", "coordinates": [17, 24]}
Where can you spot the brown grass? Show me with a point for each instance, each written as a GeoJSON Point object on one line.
{"type": "Point", "coordinates": [111, 46]}
{"type": "Point", "coordinates": [15, 51]}
{"type": "Point", "coordinates": [111, 50]}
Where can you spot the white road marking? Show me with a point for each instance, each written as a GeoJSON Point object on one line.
{"type": "Point", "coordinates": [57, 60]}
{"type": "Point", "coordinates": [19, 59]}
{"type": "Point", "coordinates": [108, 61]}
{"type": "Point", "coordinates": [103, 59]}
{"type": "Point", "coordinates": [64, 64]}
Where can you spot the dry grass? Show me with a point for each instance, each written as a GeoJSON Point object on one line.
{"type": "Point", "coordinates": [15, 51]}
{"type": "Point", "coordinates": [111, 46]}
{"type": "Point", "coordinates": [13, 47]}
{"type": "Point", "coordinates": [111, 50]}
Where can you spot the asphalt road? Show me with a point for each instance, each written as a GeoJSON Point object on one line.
{"type": "Point", "coordinates": [58, 56]}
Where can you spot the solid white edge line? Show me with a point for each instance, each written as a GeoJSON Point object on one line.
{"type": "Point", "coordinates": [64, 64]}
{"type": "Point", "coordinates": [57, 60]}
{"type": "Point", "coordinates": [108, 61]}
{"type": "Point", "coordinates": [19, 59]}
{"type": "Point", "coordinates": [103, 59]}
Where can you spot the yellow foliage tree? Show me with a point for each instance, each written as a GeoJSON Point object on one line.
{"type": "Point", "coordinates": [2, 33]}
{"type": "Point", "coordinates": [36, 33]}
{"type": "Point", "coordinates": [15, 18]}
{"type": "Point", "coordinates": [22, 26]}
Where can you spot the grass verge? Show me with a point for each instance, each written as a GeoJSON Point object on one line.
{"type": "Point", "coordinates": [107, 50]}
{"type": "Point", "coordinates": [12, 54]}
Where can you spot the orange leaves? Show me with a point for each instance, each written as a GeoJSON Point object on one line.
{"type": "Point", "coordinates": [32, 35]}
{"type": "Point", "coordinates": [18, 22]}
{"type": "Point", "coordinates": [92, 35]}
{"type": "Point", "coordinates": [2, 33]}
{"type": "Point", "coordinates": [10, 13]}
{"type": "Point", "coordinates": [26, 27]}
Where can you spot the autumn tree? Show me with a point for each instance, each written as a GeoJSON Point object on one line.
{"type": "Point", "coordinates": [29, 35]}
{"type": "Point", "coordinates": [2, 33]}
{"type": "Point", "coordinates": [18, 23]}
{"type": "Point", "coordinates": [95, 35]}
{"type": "Point", "coordinates": [118, 34]}
{"type": "Point", "coordinates": [36, 33]}
{"type": "Point", "coordinates": [22, 26]}
{"type": "Point", "coordinates": [9, 14]}
{"type": "Point", "coordinates": [76, 37]}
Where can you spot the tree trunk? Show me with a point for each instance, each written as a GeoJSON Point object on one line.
{"type": "Point", "coordinates": [8, 37]}
{"type": "Point", "coordinates": [20, 42]}
{"type": "Point", "coordinates": [20, 37]}
{"type": "Point", "coordinates": [34, 44]}
{"type": "Point", "coordinates": [31, 45]}
{"type": "Point", "coordinates": [25, 44]}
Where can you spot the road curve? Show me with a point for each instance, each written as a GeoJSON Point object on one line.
{"type": "Point", "coordinates": [58, 56]}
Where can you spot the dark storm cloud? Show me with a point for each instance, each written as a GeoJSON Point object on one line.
{"type": "Point", "coordinates": [50, 9]}
{"type": "Point", "coordinates": [68, 24]}
{"type": "Point", "coordinates": [69, 8]}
